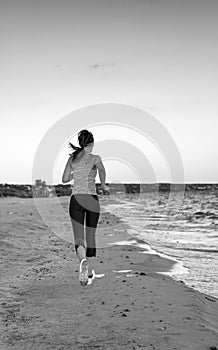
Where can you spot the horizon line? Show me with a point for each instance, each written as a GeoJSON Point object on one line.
{"type": "Point", "coordinates": [122, 183]}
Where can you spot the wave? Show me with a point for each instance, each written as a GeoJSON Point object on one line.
{"type": "Point", "coordinates": [208, 214]}
{"type": "Point", "coordinates": [199, 250]}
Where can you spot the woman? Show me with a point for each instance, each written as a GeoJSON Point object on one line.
{"type": "Point", "coordinates": [84, 207]}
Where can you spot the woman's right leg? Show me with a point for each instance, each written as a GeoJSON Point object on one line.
{"type": "Point", "coordinates": [92, 217]}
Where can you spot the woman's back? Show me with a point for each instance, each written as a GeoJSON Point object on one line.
{"type": "Point", "coordinates": [84, 173]}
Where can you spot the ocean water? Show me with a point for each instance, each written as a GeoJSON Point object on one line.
{"type": "Point", "coordinates": [186, 230]}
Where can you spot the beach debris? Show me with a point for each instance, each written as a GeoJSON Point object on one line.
{"type": "Point", "coordinates": [129, 274]}
{"type": "Point", "coordinates": [210, 299]}
{"type": "Point", "coordinates": [122, 271]}
{"type": "Point", "coordinates": [99, 275]}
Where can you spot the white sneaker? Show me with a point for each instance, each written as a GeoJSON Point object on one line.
{"type": "Point", "coordinates": [83, 272]}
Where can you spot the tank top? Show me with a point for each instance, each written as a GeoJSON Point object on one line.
{"type": "Point", "coordinates": [84, 177]}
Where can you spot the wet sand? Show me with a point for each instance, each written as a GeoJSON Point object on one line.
{"type": "Point", "coordinates": [43, 306]}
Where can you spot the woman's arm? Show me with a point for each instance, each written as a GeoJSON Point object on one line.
{"type": "Point", "coordinates": [67, 174]}
{"type": "Point", "coordinates": [102, 173]}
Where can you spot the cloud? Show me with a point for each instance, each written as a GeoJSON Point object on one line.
{"type": "Point", "coordinates": [147, 1]}
{"type": "Point", "coordinates": [101, 65]}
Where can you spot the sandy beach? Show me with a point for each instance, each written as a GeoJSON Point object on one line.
{"type": "Point", "coordinates": [132, 306]}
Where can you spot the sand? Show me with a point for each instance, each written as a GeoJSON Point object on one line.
{"type": "Point", "coordinates": [133, 306]}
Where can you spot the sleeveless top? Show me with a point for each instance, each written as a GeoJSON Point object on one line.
{"type": "Point", "coordinates": [84, 177]}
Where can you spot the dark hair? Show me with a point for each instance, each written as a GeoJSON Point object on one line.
{"type": "Point", "coordinates": [85, 137]}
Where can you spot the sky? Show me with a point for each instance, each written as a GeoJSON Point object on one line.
{"type": "Point", "coordinates": [159, 56]}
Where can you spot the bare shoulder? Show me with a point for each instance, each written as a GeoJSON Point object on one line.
{"type": "Point", "coordinates": [98, 162]}
{"type": "Point", "coordinates": [96, 158]}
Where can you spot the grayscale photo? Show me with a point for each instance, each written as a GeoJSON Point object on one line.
{"type": "Point", "coordinates": [109, 175]}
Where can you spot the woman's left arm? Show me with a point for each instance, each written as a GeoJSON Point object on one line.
{"type": "Point", "coordinates": [67, 174]}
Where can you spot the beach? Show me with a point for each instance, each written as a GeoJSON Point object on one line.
{"type": "Point", "coordinates": [134, 305]}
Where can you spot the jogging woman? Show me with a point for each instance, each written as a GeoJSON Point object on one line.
{"type": "Point", "coordinates": [84, 207]}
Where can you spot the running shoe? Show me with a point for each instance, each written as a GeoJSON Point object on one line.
{"type": "Point", "coordinates": [83, 272]}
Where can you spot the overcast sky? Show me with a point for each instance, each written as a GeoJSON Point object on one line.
{"type": "Point", "coordinates": [158, 55]}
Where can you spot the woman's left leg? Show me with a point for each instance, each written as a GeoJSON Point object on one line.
{"type": "Point", "coordinates": [77, 215]}
{"type": "Point", "coordinates": [78, 230]}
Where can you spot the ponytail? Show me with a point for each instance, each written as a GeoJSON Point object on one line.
{"type": "Point", "coordinates": [85, 137]}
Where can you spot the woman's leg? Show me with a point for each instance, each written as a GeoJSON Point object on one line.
{"type": "Point", "coordinates": [77, 215]}
{"type": "Point", "coordinates": [92, 217]}
{"type": "Point", "coordinates": [91, 248]}
{"type": "Point", "coordinates": [78, 230]}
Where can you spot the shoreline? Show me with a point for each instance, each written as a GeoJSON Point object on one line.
{"type": "Point", "coordinates": [133, 240]}
{"type": "Point", "coordinates": [43, 306]}
{"type": "Point", "coordinates": [180, 269]}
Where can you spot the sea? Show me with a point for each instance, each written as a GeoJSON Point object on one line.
{"type": "Point", "coordinates": [182, 226]}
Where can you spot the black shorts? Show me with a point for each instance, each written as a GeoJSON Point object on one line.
{"type": "Point", "coordinates": [85, 208]}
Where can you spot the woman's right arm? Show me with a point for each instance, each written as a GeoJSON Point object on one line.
{"type": "Point", "coordinates": [67, 174]}
{"type": "Point", "coordinates": [102, 173]}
